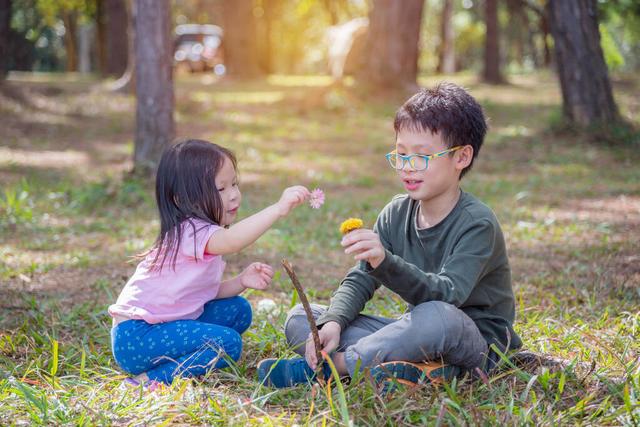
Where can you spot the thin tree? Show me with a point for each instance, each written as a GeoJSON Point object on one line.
{"type": "Point", "coordinates": [70, 20]}
{"type": "Point", "coordinates": [391, 52]}
{"type": "Point", "coordinates": [587, 98]}
{"type": "Point", "coordinates": [491, 72]}
{"type": "Point", "coordinates": [240, 41]}
{"type": "Point", "coordinates": [155, 126]}
{"type": "Point", "coordinates": [127, 81]}
{"type": "Point", "coordinates": [5, 33]}
{"type": "Point", "coordinates": [112, 36]}
{"type": "Point", "coordinates": [446, 52]}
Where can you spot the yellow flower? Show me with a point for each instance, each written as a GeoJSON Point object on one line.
{"type": "Point", "coordinates": [350, 225]}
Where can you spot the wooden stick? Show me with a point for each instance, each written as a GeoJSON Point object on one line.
{"type": "Point", "coordinates": [307, 308]}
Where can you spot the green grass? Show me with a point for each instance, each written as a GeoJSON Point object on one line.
{"type": "Point", "coordinates": [71, 220]}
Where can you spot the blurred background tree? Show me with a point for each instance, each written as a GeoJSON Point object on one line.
{"type": "Point", "coordinates": [584, 77]}
{"type": "Point", "coordinates": [380, 42]}
{"type": "Point", "coordinates": [155, 125]}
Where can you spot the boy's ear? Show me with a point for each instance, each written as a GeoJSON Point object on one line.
{"type": "Point", "coordinates": [463, 157]}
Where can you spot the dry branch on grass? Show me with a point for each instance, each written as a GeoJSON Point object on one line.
{"type": "Point", "coordinates": [307, 308]}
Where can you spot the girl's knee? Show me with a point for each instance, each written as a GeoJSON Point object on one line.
{"type": "Point", "coordinates": [233, 347]}
{"type": "Point", "coordinates": [245, 314]}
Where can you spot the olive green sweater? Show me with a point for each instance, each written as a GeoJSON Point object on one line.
{"type": "Point", "coordinates": [462, 261]}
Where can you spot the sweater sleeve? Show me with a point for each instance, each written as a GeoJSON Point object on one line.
{"type": "Point", "coordinates": [460, 272]}
{"type": "Point", "coordinates": [358, 286]}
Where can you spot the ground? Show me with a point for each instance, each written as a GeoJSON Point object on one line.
{"type": "Point", "coordinates": [73, 219]}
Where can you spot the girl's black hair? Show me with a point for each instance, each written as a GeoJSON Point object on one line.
{"type": "Point", "coordinates": [186, 189]}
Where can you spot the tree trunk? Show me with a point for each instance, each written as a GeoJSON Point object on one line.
{"type": "Point", "coordinates": [587, 98]}
{"type": "Point", "coordinates": [491, 73]}
{"type": "Point", "coordinates": [517, 32]}
{"type": "Point", "coordinates": [265, 45]}
{"type": "Point", "coordinates": [70, 20]}
{"type": "Point", "coordinates": [101, 36]}
{"type": "Point", "coordinates": [155, 127]}
{"type": "Point", "coordinates": [86, 39]}
{"type": "Point", "coordinates": [391, 52]}
{"type": "Point", "coordinates": [240, 41]}
{"type": "Point", "coordinates": [127, 82]}
{"type": "Point", "coordinates": [5, 33]}
{"type": "Point", "coordinates": [544, 28]}
{"type": "Point", "coordinates": [116, 39]}
{"type": "Point", "coordinates": [446, 55]}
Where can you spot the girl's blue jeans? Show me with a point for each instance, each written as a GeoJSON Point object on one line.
{"type": "Point", "coordinates": [183, 347]}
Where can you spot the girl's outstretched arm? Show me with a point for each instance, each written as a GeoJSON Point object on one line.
{"type": "Point", "coordinates": [243, 233]}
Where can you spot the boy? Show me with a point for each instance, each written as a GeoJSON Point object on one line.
{"type": "Point", "coordinates": [439, 248]}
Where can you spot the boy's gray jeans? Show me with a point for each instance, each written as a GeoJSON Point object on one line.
{"type": "Point", "coordinates": [431, 331]}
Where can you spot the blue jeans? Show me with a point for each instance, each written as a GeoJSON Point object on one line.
{"type": "Point", "coordinates": [183, 347]}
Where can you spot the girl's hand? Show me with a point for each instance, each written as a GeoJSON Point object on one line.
{"type": "Point", "coordinates": [292, 197]}
{"type": "Point", "coordinates": [366, 245]}
{"type": "Point", "coordinates": [256, 276]}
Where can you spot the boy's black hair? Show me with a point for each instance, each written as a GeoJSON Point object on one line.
{"type": "Point", "coordinates": [449, 110]}
{"type": "Point", "coordinates": [186, 189]}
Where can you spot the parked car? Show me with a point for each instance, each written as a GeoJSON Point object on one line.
{"type": "Point", "coordinates": [199, 48]}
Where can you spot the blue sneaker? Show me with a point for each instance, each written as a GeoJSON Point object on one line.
{"type": "Point", "coordinates": [281, 373]}
{"type": "Point", "coordinates": [390, 374]}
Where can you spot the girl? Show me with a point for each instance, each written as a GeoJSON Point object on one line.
{"type": "Point", "coordinates": [176, 316]}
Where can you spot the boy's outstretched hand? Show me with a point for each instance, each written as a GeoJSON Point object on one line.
{"type": "Point", "coordinates": [292, 197]}
{"type": "Point", "coordinates": [256, 276]}
{"type": "Point", "coordinates": [329, 339]}
{"type": "Point", "coordinates": [365, 244]}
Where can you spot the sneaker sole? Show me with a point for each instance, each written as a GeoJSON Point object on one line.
{"type": "Point", "coordinates": [412, 374]}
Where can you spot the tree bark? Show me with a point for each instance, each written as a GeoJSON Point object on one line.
{"type": "Point", "coordinates": [391, 52]}
{"type": "Point", "coordinates": [155, 127]}
{"type": "Point", "coordinates": [101, 36]}
{"type": "Point", "coordinates": [70, 20]}
{"type": "Point", "coordinates": [446, 54]}
{"type": "Point", "coordinates": [116, 37]}
{"type": "Point", "coordinates": [5, 33]}
{"type": "Point", "coordinates": [587, 98]}
{"type": "Point", "coordinates": [240, 40]}
{"type": "Point", "coordinates": [127, 81]}
{"type": "Point", "coordinates": [491, 73]}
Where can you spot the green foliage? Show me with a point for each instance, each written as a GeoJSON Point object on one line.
{"type": "Point", "coordinates": [131, 192]}
{"type": "Point", "coordinates": [16, 206]}
{"type": "Point", "coordinates": [612, 55]}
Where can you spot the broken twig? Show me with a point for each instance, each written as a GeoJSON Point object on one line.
{"type": "Point", "coordinates": [307, 308]}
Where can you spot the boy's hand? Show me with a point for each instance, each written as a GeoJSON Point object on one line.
{"type": "Point", "coordinates": [366, 245]}
{"type": "Point", "coordinates": [292, 197]}
{"type": "Point", "coordinates": [256, 276]}
{"type": "Point", "coordinates": [329, 339]}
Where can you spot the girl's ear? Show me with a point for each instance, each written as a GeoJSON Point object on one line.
{"type": "Point", "coordinates": [463, 157]}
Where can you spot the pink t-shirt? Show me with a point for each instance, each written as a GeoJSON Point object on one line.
{"type": "Point", "coordinates": [157, 297]}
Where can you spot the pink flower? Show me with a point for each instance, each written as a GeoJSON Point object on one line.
{"type": "Point", "coordinates": [317, 198]}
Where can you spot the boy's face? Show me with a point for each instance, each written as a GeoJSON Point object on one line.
{"type": "Point", "coordinates": [442, 173]}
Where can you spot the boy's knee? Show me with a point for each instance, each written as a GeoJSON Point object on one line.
{"type": "Point", "coordinates": [437, 314]}
{"type": "Point", "coordinates": [296, 327]}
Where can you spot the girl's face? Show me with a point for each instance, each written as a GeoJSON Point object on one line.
{"type": "Point", "coordinates": [227, 185]}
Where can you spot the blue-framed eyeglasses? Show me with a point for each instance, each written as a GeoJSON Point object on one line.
{"type": "Point", "coordinates": [418, 162]}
